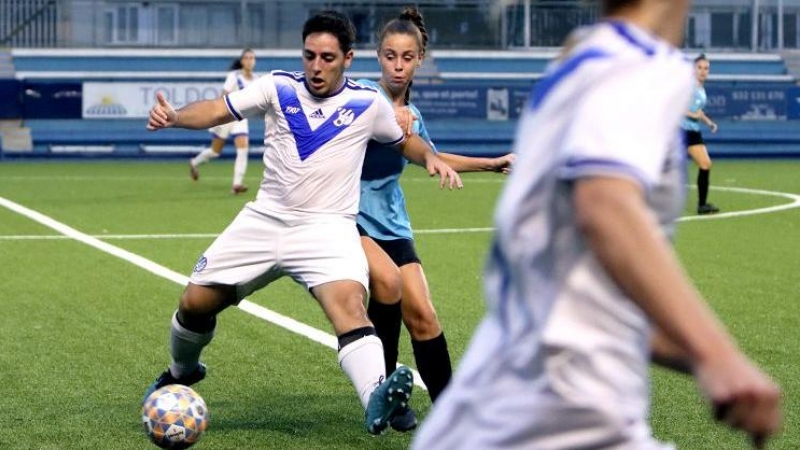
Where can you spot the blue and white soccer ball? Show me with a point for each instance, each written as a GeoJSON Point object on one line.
{"type": "Point", "coordinates": [174, 417]}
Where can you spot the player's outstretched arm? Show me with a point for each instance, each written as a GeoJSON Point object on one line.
{"type": "Point", "coordinates": [416, 150]}
{"type": "Point", "coordinates": [461, 163]}
{"type": "Point", "coordinates": [616, 223]}
{"type": "Point", "coordinates": [196, 115]}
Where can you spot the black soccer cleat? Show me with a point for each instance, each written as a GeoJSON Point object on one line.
{"type": "Point", "coordinates": [708, 208]}
{"type": "Point", "coordinates": [404, 420]}
{"type": "Point", "coordinates": [166, 379]}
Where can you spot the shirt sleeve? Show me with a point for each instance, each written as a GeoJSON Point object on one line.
{"type": "Point", "coordinates": [255, 98]}
{"type": "Point", "coordinates": [617, 131]}
{"type": "Point", "coordinates": [385, 129]}
{"type": "Point", "coordinates": [420, 129]}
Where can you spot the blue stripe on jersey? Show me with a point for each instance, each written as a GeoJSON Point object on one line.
{"type": "Point", "coordinates": [309, 141]}
{"type": "Point", "coordinates": [240, 81]}
{"type": "Point", "coordinates": [232, 109]}
{"type": "Point", "coordinates": [626, 34]}
{"type": "Point", "coordinates": [296, 76]}
{"type": "Point", "coordinates": [497, 257]}
{"type": "Point", "coordinates": [551, 81]}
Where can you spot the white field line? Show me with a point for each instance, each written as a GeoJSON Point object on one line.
{"type": "Point", "coordinates": [288, 323]}
{"type": "Point", "coordinates": [113, 237]}
{"type": "Point", "coordinates": [795, 203]}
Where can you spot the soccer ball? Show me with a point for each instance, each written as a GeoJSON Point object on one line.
{"type": "Point", "coordinates": [174, 417]}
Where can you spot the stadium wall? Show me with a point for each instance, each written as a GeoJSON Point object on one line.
{"type": "Point", "coordinates": [92, 104]}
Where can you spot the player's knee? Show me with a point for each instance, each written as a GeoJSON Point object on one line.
{"type": "Point", "coordinates": [205, 301]}
{"type": "Point", "coordinates": [386, 287]}
{"type": "Point", "coordinates": [422, 324]}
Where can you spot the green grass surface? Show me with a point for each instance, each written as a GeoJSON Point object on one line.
{"type": "Point", "coordinates": [83, 332]}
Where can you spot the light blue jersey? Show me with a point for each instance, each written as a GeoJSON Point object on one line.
{"type": "Point", "coordinates": [382, 211]}
{"type": "Point", "coordinates": [699, 100]}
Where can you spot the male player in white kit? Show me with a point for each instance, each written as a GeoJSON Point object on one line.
{"type": "Point", "coordinates": [302, 223]}
{"type": "Point", "coordinates": [582, 285]}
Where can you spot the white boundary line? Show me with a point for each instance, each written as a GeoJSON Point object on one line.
{"type": "Point", "coordinates": [124, 237]}
{"type": "Point", "coordinates": [795, 203]}
{"type": "Point", "coordinates": [288, 323]}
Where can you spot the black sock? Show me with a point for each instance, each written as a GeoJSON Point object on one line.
{"type": "Point", "coordinates": [433, 363]}
{"type": "Point", "coordinates": [702, 186]}
{"type": "Point", "coordinates": [387, 320]}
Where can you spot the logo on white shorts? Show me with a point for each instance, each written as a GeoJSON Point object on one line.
{"type": "Point", "coordinates": [201, 264]}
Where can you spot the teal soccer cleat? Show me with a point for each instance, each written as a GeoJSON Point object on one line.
{"type": "Point", "coordinates": [389, 399]}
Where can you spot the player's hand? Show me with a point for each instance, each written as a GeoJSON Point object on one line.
{"type": "Point", "coordinates": [714, 127]}
{"type": "Point", "coordinates": [162, 115]}
{"type": "Point", "coordinates": [405, 118]}
{"type": "Point", "coordinates": [742, 396]}
{"type": "Point", "coordinates": [447, 175]}
{"type": "Point", "coordinates": [504, 163]}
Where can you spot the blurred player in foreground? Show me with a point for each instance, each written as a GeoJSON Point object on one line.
{"type": "Point", "coordinates": [395, 268]}
{"type": "Point", "coordinates": [302, 222]}
{"type": "Point", "coordinates": [582, 285]}
{"type": "Point", "coordinates": [241, 75]}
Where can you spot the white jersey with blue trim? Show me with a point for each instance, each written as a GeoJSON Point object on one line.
{"type": "Point", "coordinates": [314, 146]}
{"type": "Point", "coordinates": [562, 356]}
{"type": "Point", "coordinates": [235, 80]}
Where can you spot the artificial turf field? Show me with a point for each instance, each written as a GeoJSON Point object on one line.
{"type": "Point", "coordinates": [84, 319]}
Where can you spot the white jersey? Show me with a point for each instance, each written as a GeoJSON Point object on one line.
{"type": "Point", "coordinates": [314, 146]}
{"type": "Point", "coordinates": [235, 80]}
{"type": "Point", "coordinates": [561, 359]}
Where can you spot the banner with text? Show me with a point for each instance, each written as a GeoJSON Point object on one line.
{"type": "Point", "coordinates": [134, 100]}
{"type": "Point", "coordinates": [738, 101]}
{"type": "Point", "coordinates": [747, 102]}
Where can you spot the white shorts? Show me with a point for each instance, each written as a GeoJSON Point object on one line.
{"type": "Point", "coordinates": [516, 400]}
{"type": "Point", "coordinates": [257, 249]}
{"type": "Point", "coordinates": [230, 129]}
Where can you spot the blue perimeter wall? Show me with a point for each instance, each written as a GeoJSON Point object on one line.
{"type": "Point", "coordinates": [470, 116]}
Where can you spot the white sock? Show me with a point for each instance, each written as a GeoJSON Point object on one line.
{"type": "Point", "coordinates": [240, 166]}
{"type": "Point", "coordinates": [185, 347]}
{"type": "Point", "coordinates": [204, 156]}
{"type": "Point", "coordinates": [362, 361]}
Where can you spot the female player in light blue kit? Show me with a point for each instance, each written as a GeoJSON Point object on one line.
{"type": "Point", "coordinates": [695, 145]}
{"type": "Point", "coordinates": [395, 268]}
{"type": "Point", "coordinates": [583, 289]}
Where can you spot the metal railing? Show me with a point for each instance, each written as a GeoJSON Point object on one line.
{"type": "Point", "coordinates": [28, 23]}
{"type": "Point", "coordinates": [452, 24]}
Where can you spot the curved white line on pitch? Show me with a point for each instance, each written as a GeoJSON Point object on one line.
{"type": "Point", "coordinates": [285, 322]}
{"type": "Point", "coordinates": [750, 212]}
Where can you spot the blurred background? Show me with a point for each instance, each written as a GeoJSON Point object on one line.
{"type": "Point", "coordinates": [78, 76]}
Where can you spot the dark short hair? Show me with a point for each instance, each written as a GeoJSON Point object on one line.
{"type": "Point", "coordinates": [335, 23]}
{"type": "Point", "coordinates": [612, 6]}
{"type": "Point", "coordinates": [700, 57]}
